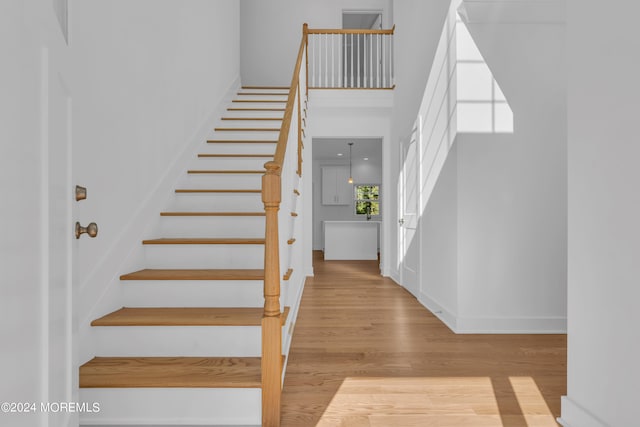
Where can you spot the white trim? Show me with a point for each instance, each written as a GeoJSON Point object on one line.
{"type": "Point", "coordinates": [574, 415]}
{"type": "Point", "coordinates": [446, 315]}
{"type": "Point", "coordinates": [44, 230]}
{"type": "Point", "coordinates": [511, 325]}
{"type": "Point", "coordinates": [493, 325]}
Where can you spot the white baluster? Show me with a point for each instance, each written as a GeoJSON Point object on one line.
{"type": "Point", "coordinates": [351, 85]}
{"type": "Point", "coordinates": [383, 64]}
{"type": "Point", "coordinates": [343, 37]}
{"type": "Point", "coordinates": [378, 59]}
{"type": "Point", "coordinates": [358, 58]}
{"type": "Point", "coordinates": [333, 69]}
{"type": "Point", "coordinates": [326, 57]}
{"type": "Point", "coordinates": [371, 60]}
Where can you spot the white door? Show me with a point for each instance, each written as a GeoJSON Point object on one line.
{"type": "Point", "coordinates": [59, 349]}
{"type": "Point", "coordinates": [409, 248]}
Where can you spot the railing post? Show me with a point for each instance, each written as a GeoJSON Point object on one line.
{"type": "Point", "coordinates": [271, 321]}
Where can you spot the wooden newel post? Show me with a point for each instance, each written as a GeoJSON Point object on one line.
{"type": "Point", "coordinates": [271, 321]}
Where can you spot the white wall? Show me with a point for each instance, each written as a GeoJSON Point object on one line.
{"type": "Point", "coordinates": [150, 76]}
{"type": "Point", "coordinates": [272, 30]}
{"type": "Point", "coordinates": [363, 173]}
{"type": "Point", "coordinates": [21, 241]}
{"type": "Point", "coordinates": [513, 196]}
{"type": "Point", "coordinates": [603, 378]}
{"type": "Point", "coordinates": [510, 192]}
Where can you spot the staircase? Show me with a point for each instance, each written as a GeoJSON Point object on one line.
{"type": "Point", "coordinates": [185, 349]}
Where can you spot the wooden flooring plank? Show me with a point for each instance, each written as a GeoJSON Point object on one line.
{"type": "Point", "coordinates": [366, 352]}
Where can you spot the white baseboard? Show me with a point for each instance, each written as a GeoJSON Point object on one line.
{"type": "Point", "coordinates": [574, 415]}
{"type": "Point", "coordinates": [493, 325]}
{"type": "Point", "coordinates": [511, 325]}
{"type": "Point", "coordinates": [440, 311]}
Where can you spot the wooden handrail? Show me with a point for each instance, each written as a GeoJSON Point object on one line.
{"type": "Point", "coordinates": [271, 362]}
{"type": "Point", "coordinates": [281, 148]}
{"type": "Point", "coordinates": [350, 31]}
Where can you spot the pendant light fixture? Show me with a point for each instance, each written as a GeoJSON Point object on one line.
{"type": "Point", "coordinates": [350, 174]}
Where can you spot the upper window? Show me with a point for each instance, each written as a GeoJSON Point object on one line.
{"type": "Point", "coordinates": [481, 105]}
{"type": "Point", "coordinates": [367, 199]}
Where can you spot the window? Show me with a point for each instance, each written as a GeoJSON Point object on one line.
{"type": "Point", "coordinates": [481, 105]}
{"type": "Point", "coordinates": [367, 198]}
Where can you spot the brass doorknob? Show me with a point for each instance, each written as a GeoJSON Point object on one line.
{"type": "Point", "coordinates": [91, 230]}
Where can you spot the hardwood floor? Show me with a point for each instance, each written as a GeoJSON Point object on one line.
{"type": "Point", "coordinates": [366, 353]}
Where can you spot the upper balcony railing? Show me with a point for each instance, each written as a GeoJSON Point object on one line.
{"type": "Point", "coordinates": [350, 59]}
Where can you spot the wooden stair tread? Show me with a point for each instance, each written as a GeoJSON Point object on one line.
{"type": "Point", "coordinates": [242, 141]}
{"type": "Point", "coordinates": [269, 101]}
{"type": "Point", "coordinates": [212, 214]}
{"type": "Point", "coordinates": [196, 171]}
{"type": "Point", "coordinates": [234, 155]}
{"type": "Point", "coordinates": [264, 93]}
{"type": "Point", "coordinates": [199, 190]}
{"type": "Point", "coordinates": [192, 274]}
{"type": "Point", "coordinates": [186, 316]}
{"type": "Point", "coordinates": [204, 241]}
{"type": "Point", "coordinates": [163, 372]}
{"type": "Point", "coordinates": [266, 87]}
{"type": "Point", "coordinates": [247, 129]}
{"type": "Point", "coordinates": [274, 119]}
{"type": "Point", "coordinates": [255, 109]}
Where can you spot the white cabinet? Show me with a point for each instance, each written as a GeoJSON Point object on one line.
{"type": "Point", "coordinates": [336, 189]}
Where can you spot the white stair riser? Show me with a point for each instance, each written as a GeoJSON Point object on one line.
{"type": "Point", "coordinates": [263, 94]}
{"type": "Point", "coordinates": [221, 181]}
{"type": "Point", "coordinates": [275, 123]}
{"type": "Point", "coordinates": [204, 256]}
{"type": "Point", "coordinates": [173, 406]}
{"type": "Point", "coordinates": [257, 104]}
{"type": "Point", "coordinates": [228, 202]}
{"type": "Point", "coordinates": [254, 113]}
{"type": "Point", "coordinates": [238, 148]}
{"type": "Point", "coordinates": [227, 163]}
{"type": "Point", "coordinates": [193, 293]}
{"type": "Point", "coordinates": [240, 135]}
{"type": "Point", "coordinates": [212, 226]}
{"type": "Point", "coordinates": [170, 341]}
{"type": "Point", "coordinates": [284, 89]}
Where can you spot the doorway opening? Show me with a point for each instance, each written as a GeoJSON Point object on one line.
{"type": "Point", "coordinates": [347, 216]}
